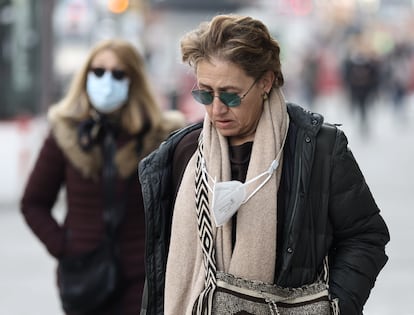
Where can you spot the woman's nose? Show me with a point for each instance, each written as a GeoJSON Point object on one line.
{"type": "Point", "coordinates": [218, 106]}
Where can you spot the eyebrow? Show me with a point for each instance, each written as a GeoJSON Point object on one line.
{"type": "Point", "coordinates": [223, 88]}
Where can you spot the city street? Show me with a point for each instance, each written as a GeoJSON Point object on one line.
{"type": "Point", "coordinates": [385, 156]}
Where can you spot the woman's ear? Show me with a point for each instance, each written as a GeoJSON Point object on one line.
{"type": "Point", "coordinates": [266, 82]}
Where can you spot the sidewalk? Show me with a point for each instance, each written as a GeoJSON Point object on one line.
{"type": "Point", "coordinates": [27, 283]}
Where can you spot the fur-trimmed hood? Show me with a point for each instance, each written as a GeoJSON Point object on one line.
{"type": "Point", "coordinates": [127, 157]}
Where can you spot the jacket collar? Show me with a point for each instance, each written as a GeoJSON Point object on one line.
{"type": "Point", "coordinates": [131, 150]}
{"type": "Point", "coordinates": [305, 119]}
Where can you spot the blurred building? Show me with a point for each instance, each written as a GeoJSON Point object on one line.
{"type": "Point", "coordinates": [25, 56]}
{"type": "Point", "coordinates": [43, 42]}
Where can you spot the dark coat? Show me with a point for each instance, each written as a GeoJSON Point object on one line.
{"type": "Point", "coordinates": [61, 163]}
{"type": "Point", "coordinates": [330, 212]}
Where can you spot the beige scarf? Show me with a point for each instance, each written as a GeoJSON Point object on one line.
{"type": "Point", "coordinates": [254, 253]}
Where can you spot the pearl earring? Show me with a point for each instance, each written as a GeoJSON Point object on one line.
{"type": "Point", "coordinates": [265, 96]}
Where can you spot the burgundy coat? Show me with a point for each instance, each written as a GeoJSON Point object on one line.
{"type": "Point", "coordinates": [83, 226]}
{"type": "Point", "coordinates": [62, 164]}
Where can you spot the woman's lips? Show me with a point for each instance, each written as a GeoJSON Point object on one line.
{"type": "Point", "coordinates": [223, 124]}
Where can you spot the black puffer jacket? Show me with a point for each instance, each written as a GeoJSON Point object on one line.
{"type": "Point", "coordinates": [326, 207]}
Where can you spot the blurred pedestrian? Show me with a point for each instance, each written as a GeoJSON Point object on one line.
{"type": "Point", "coordinates": [309, 75]}
{"type": "Point", "coordinates": [106, 123]}
{"type": "Point", "coordinates": [399, 74]}
{"type": "Point", "coordinates": [263, 204]}
{"type": "Point", "coordinates": [361, 79]}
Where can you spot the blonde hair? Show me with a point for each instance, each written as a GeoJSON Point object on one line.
{"type": "Point", "coordinates": [241, 40]}
{"type": "Point", "coordinates": [141, 107]}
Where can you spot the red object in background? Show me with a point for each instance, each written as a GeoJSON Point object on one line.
{"type": "Point", "coordinates": [24, 127]}
{"type": "Point", "coordinates": [328, 77]}
{"type": "Point", "coordinates": [76, 12]}
{"type": "Point", "coordinates": [301, 7]}
{"type": "Point", "coordinates": [23, 123]}
{"type": "Point", "coordinates": [411, 83]}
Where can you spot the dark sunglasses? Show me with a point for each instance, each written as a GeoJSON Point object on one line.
{"type": "Point", "coordinates": [116, 74]}
{"type": "Point", "coordinates": [206, 97]}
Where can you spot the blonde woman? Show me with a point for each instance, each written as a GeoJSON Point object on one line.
{"type": "Point", "coordinates": [108, 121]}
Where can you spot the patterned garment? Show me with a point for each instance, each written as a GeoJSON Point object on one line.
{"type": "Point", "coordinates": [242, 297]}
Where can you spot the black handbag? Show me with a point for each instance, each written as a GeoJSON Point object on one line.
{"type": "Point", "coordinates": [88, 281]}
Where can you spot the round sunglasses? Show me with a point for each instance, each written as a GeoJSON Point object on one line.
{"type": "Point", "coordinates": [116, 74]}
{"type": "Point", "coordinates": [229, 99]}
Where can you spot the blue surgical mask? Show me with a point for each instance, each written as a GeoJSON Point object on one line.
{"type": "Point", "coordinates": [106, 93]}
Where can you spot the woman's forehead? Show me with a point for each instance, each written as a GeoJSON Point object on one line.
{"type": "Point", "coordinates": [220, 72]}
{"type": "Point", "coordinates": [108, 58]}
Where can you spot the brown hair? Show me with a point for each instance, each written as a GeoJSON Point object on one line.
{"type": "Point", "coordinates": [241, 40]}
{"type": "Point", "coordinates": [141, 106]}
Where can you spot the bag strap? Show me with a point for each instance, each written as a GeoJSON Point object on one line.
{"type": "Point", "coordinates": [326, 138]}
{"type": "Point", "coordinates": [114, 207]}
{"type": "Point", "coordinates": [204, 302]}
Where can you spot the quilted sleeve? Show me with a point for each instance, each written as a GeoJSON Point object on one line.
{"type": "Point", "coordinates": [360, 233]}
{"type": "Point", "coordinates": [40, 195]}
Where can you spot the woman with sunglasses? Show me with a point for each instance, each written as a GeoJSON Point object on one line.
{"type": "Point", "coordinates": [108, 121]}
{"type": "Point", "coordinates": [262, 196]}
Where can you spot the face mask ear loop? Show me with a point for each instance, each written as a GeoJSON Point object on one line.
{"type": "Point", "coordinates": [269, 173]}
{"type": "Point", "coordinates": [205, 174]}
{"type": "Point", "coordinates": [273, 167]}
